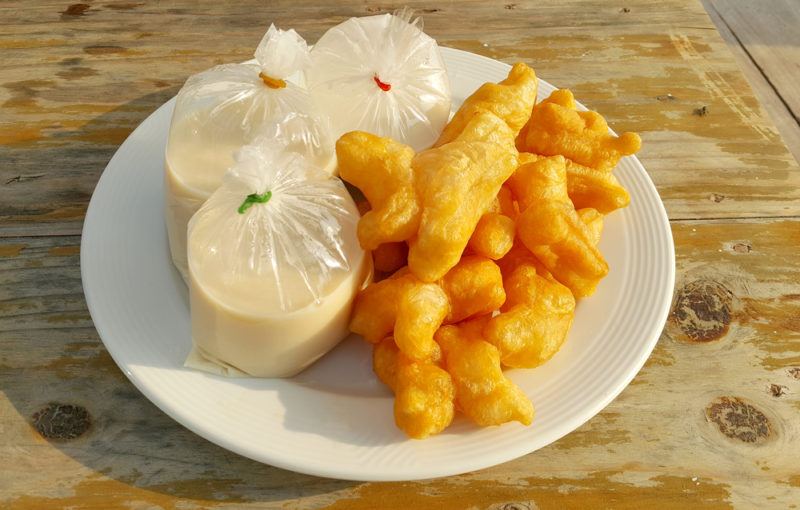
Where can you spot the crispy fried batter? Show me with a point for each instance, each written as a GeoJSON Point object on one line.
{"type": "Point", "coordinates": [424, 392]}
{"type": "Point", "coordinates": [381, 169]}
{"type": "Point", "coordinates": [424, 401]}
{"type": "Point", "coordinates": [375, 308]}
{"type": "Point", "coordinates": [594, 221]}
{"type": "Point", "coordinates": [537, 179]}
{"type": "Point", "coordinates": [505, 200]}
{"type": "Point", "coordinates": [384, 361]}
{"type": "Point", "coordinates": [550, 227]}
{"type": "Point", "coordinates": [483, 393]}
{"type": "Point", "coordinates": [413, 310]}
{"type": "Point", "coordinates": [420, 312]}
{"type": "Point", "coordinates": [518, 255]}
{"type": "Point", "coordinates": [496, 247]}
{"type": "Point", "coordinates": [435, 199]}
{"type": "Point", "coordinates": [512, 100]}
{"type": "Point", "coordinates": [493, 235]}
{"type": "Point", "coordinates": [456, 184]}
{"type": "Point", "coordinates": [535, 319]}
{"type": "Point", "coordinates": [556, 128]}
{"type": "Point", "coordinates": [598, 189]}
{"type": "Point", "coordinates": [474, 287]}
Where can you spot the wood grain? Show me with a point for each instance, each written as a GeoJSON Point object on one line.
{"type": "Point", "coordinates": [659, 444]}
{"type": "Point", "coordinates": [764, 39]}
{"type": "Point", "coordinates": [711, 420]}
{"type": "Point", "coordinates": [74, 86]}
{"type": "Point", "coordinates": [768, 31]}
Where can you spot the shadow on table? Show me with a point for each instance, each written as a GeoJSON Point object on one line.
{"type": "Point", "coordinates": [130, 447]}
{"type": "Point", "coordinates": [62, 381]}
{"type": "Point", "coordinates": [48, 180]}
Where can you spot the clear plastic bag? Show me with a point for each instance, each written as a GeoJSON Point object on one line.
{"type": "Point", "coordinates": [274, 264]}
{"type": "Point", "coordinates": [226, 107]}
{"type": "Point", "coordinates": [381, 74]}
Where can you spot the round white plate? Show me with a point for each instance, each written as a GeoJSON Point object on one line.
{"type": "Point", "coordinates": [335, 419]}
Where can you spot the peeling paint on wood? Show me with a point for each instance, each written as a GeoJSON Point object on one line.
{"type": "Point", "coordinates": [618, 63]}
{"type": "Point", "coordinates": [64, 251]}
{"type": "Point", "coordinates": [598, 490]}
{"type": "Point", "coordinates": [11, 250]}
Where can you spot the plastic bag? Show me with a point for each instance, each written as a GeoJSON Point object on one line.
{"type": "Point", "coordinates": [383, 75]}
{"type": "Point", "coordinates": [274, 264]}
{"type": "Point", "coordinates": [226, 107]}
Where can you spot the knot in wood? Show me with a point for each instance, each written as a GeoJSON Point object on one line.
{"type": "Point", "coordinates": [742, 247]}
{"type": "Point", "coordinates": [738, 419]}
{"type": "Point", "coordinates": [62, 421]}
{"type": "Point", "coordinates": [76, 10]}
{"type": "Point", "coordinates": [777, 390]}
{"type": "Point", "coordinates": [703, 310]}
{"type": "Point", "coordinates": [515, 506]}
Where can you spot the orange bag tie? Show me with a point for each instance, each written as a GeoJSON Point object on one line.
{"type": "Point", "coordinates": [273, 83]}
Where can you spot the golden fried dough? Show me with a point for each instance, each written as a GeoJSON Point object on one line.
{"type": "Point", "coordinates": [556, 128]}
{"type": "Point", "coordinates": [598, 189]}
{"type": "Point", "coordinates": [483, 393]}
{"type": "Point", "coordinates": [535, 319]}
{"type": "Point", "coordinates": [435, 199]}
{"type": "Point", "coordinates": [424, 392]}
{"type": "Point", "coordinates": [551, 229]}
{"type": "Point", "coordinates": [594, 221]}
{"type": "Point", "coordinates": [457, 184]}
{"type": "Point", "coordinates": [381, 169]}
{"type": "Point", "coordinates": [412, 309]}
{"type": "Point", "coordinates": [493, 235]}
{"type": "Point", "coordinates": [511, 100]}
{"type": "Point", "coordinates": [474, 287]}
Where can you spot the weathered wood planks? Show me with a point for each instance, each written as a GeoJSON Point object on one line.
{"type": "Point", "coordinates": [710, 421]}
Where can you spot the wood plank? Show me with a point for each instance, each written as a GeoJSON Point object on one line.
{"type": "Point", "coordinates": [768, 31]}
{"type": "Point", "coordinates": [764, 44]}
{"type": "Point", "coordinates": [73, 86]}
{"type": "Point", "coordinates": [709, 421]}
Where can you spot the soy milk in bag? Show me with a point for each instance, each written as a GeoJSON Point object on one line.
{"type": "Point", "coordinates": [381, 74]}
{"type": "Point", "coordinates": [274, 266]}
{"type": "Point", "coordinates": [224, 108]}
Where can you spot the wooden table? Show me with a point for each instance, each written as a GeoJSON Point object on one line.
{"type": "Point", "coordinates": [712, 420]}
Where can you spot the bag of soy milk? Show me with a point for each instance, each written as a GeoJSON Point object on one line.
{"type": "Point", "coordinates": [274, 266]}
{"type": "Point", "coordinates": [381, 74]}
{"type": "Point", "coordinates": [226, 107]}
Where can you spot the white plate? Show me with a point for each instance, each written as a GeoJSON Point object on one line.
{"type": "Point", "coordinates": [335, 419]}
